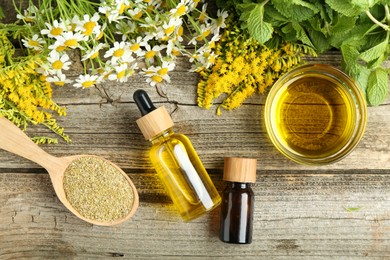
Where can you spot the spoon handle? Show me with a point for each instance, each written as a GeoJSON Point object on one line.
{"type": "Point", "coordinates": [14, 140]}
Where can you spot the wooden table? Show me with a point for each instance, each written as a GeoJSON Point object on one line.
{"type": "Point", "coordinates": [340, 211]}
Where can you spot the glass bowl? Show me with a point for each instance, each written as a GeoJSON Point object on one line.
{"type": "Point", "coordinates": [315, 114]}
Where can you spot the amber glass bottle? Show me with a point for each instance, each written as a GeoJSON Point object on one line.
{"type": "Point", "coordinates": [236, 222]}
{"type": "Point", "coordinates": [176, 161]}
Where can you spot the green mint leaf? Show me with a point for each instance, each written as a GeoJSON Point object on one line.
{"type": "Point", "coordinates": [343, 24]}
{"type": "Point", "coordinates": [377, 89]}
{"type": "Point", "coordinates": [273, 16]}
{"type": "Point", "coordinates": [344, 7]}
{"type": "Point", "coordinates": [258, 29]}
{"type": "Point", "coordinates": [353, 68]}
{"type": "Point", "coordinates": [350, 57]}
{"type": "Point", "coordinates": [289, 32]}
{"type": "Point", "coordinates": [305, 4]}
{"type": "Point", "coordinates": [362, 78]}
{"type": "Point", "coordinates": [375, 52]}
{"type": "Point", "coordinates": [301, 34]}
{"type": "Point", "coordinates": [295, 10]}
{"type": "Point", "coordinates": [357, 36]}
{"type": "Point", "coordinates": [365, 4]}
{"type": "Point", "coordinates": [319, 41]}
{"type": "Point", "coordinates": [378, 62]}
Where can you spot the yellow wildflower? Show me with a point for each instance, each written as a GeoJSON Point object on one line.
{"type": "Point", "coordinates": [244, 67]}
{"type": "Point", "coordinates": [25, 96]}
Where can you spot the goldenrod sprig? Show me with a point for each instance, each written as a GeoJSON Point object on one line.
{"type": "Point", "coordinates": [25, 95]}
{"type": "Point", "coordinates": [244, 67]}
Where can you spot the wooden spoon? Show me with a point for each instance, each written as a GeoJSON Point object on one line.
{"type": "Point", "coordinates": [14, 140]}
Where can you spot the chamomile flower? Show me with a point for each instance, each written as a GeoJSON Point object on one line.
{"type": "Point", "coordinates": [122, 5]}
{"type": "Point", "coordinates": [101, 32]}
{"type": "Point", "coordinates": [157, 74]}
{"type": "Point", "coordinates": [194, 57]}
{"type": "Point", "coordinates": [165, 68]}
{"type": "Point", "coordinates": [58, 62]}
{"type": "Point", "coordinates": [209, 60]}
{"type": "Point", "coordinates": [89, 25]}
{"type": "Point", "coordinates": [152, 52]}
{"type": "Point", "coordinates": [203, 14]}
{"type": "Point", "coordinates": [57, 46]}
{"type": "Point", "coordinates": [194, 3]}
{"type": "Point", "coordinates": [205, 30]}
{"type": "Point", "coordinates": [169, 28]}
{"type": "Point", "coordinates": [29, 15]}
{"type": "Point", "coordinates": [120, 51]}
{"type": "Point", "coordinates": [135, 46]}
{"type": "Point", "coordinates": [180, 10]}
{"type": "Point", "coordinates": [222, 15]}
{"type": "Point", "coordinates": [173, 49]}
{"type": "Point", "coordinates": [114, 11]}
{"type": "Point", "coordinates": [54, 30]}
{"type": "Point", "coordinates": [34, 43]}
{"type": "Point", "coordinates": [136, 13]}
{"type": "Point", "coordinates": [154, 79]}
{"type": "Point", "coordinates": [94, 52]}
{"type": "Point", "coordinates": [59, 79]}
{"type": "Point", "coordinates": [71, 40]}
{"type": "Point", "coordinates": [87, 81]}
{"type": "Point", "coordinates": [121, 73]}
{"type": "Point", "coordinates": [73, 23]}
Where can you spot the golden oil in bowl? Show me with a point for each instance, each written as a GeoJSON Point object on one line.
{"type": "Point", "coordinates": [315, 114]}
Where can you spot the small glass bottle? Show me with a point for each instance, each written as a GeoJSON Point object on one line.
{"type": "Point", "coordinates": [236, 220]}
{"type": "Point", "coordinates": [176, 161]}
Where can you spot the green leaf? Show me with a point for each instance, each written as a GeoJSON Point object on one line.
{"type": "Point", "coordinates": [301, 34]}
{"type": "Point", "coordinates": [344, 23]}
{"type": "Point", "coordinates": [353, 209]}
{"type": "Point", "coordinates": [305, 4]}
{"type": "Point", "coordinates": [295, 10]}
{"type": "Point", "coordinates": [344, 7]}
{"type": "Point", "coordinates": [350, 56]}
{"type": "Point", "coordinates": [377, 89]}
{"type": "Point", "coordinates": [289, 33]}
{"type": "Point", "coordinates": [357, 36]}
{"type": "Point", "coordinates": [246, 10]}
{"type": "Point", "coordinates": [352, 67]}
{"type": "Point", "coordinates": [365, 4]}
{"type": "Point", "coordinates": [319, 41]}
{"type": "Point", "coordinates": [375, 52]}
{"type": "Point", "coordinates": [362, 78]}
{"type": "Point", "coordinates": [258, 29]}
{"type": "Point", "coordinates": [273, 16]}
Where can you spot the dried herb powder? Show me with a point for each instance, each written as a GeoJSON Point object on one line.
{"type": "Point", "coordinates": [97, 189]}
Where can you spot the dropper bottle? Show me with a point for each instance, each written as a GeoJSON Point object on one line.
{"type": "Point", "coordinates": [176, 161]}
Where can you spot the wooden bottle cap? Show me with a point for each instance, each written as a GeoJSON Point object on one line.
{"type": "Point", "coordinates": [239, 169]}
{"type": "Point", "coordinates": [155, 122]}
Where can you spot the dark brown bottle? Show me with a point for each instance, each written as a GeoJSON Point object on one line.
{"type": "Point", "coordinates": [236, 222]}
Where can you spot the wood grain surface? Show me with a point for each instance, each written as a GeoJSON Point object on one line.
{"type": "Point", "coordinates": [340, 211]}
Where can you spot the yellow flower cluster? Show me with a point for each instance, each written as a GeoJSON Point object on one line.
{"type": "Point", "coordinates": [25, 95]}
{"type": "Point", "coordinates": [245, 67]}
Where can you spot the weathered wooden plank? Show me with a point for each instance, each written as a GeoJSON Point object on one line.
{"type": "Point", "coordinates": [297, 214]}
{"type": "Point", "coordinates": [102, 120]}
{"type": "Point", "coordinates": [109, 130]}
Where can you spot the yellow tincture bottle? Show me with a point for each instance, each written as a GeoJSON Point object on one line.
{"type": "Point", "coordinates": [176, 161]}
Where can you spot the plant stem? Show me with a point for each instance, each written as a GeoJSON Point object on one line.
{"type": "Point", "coordinates": [384, 26]}
{"type": "Point", "coordinates": [387, 14]}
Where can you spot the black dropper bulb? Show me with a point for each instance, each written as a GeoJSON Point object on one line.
{"type": "Point", "coordinates": [144, 104]}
